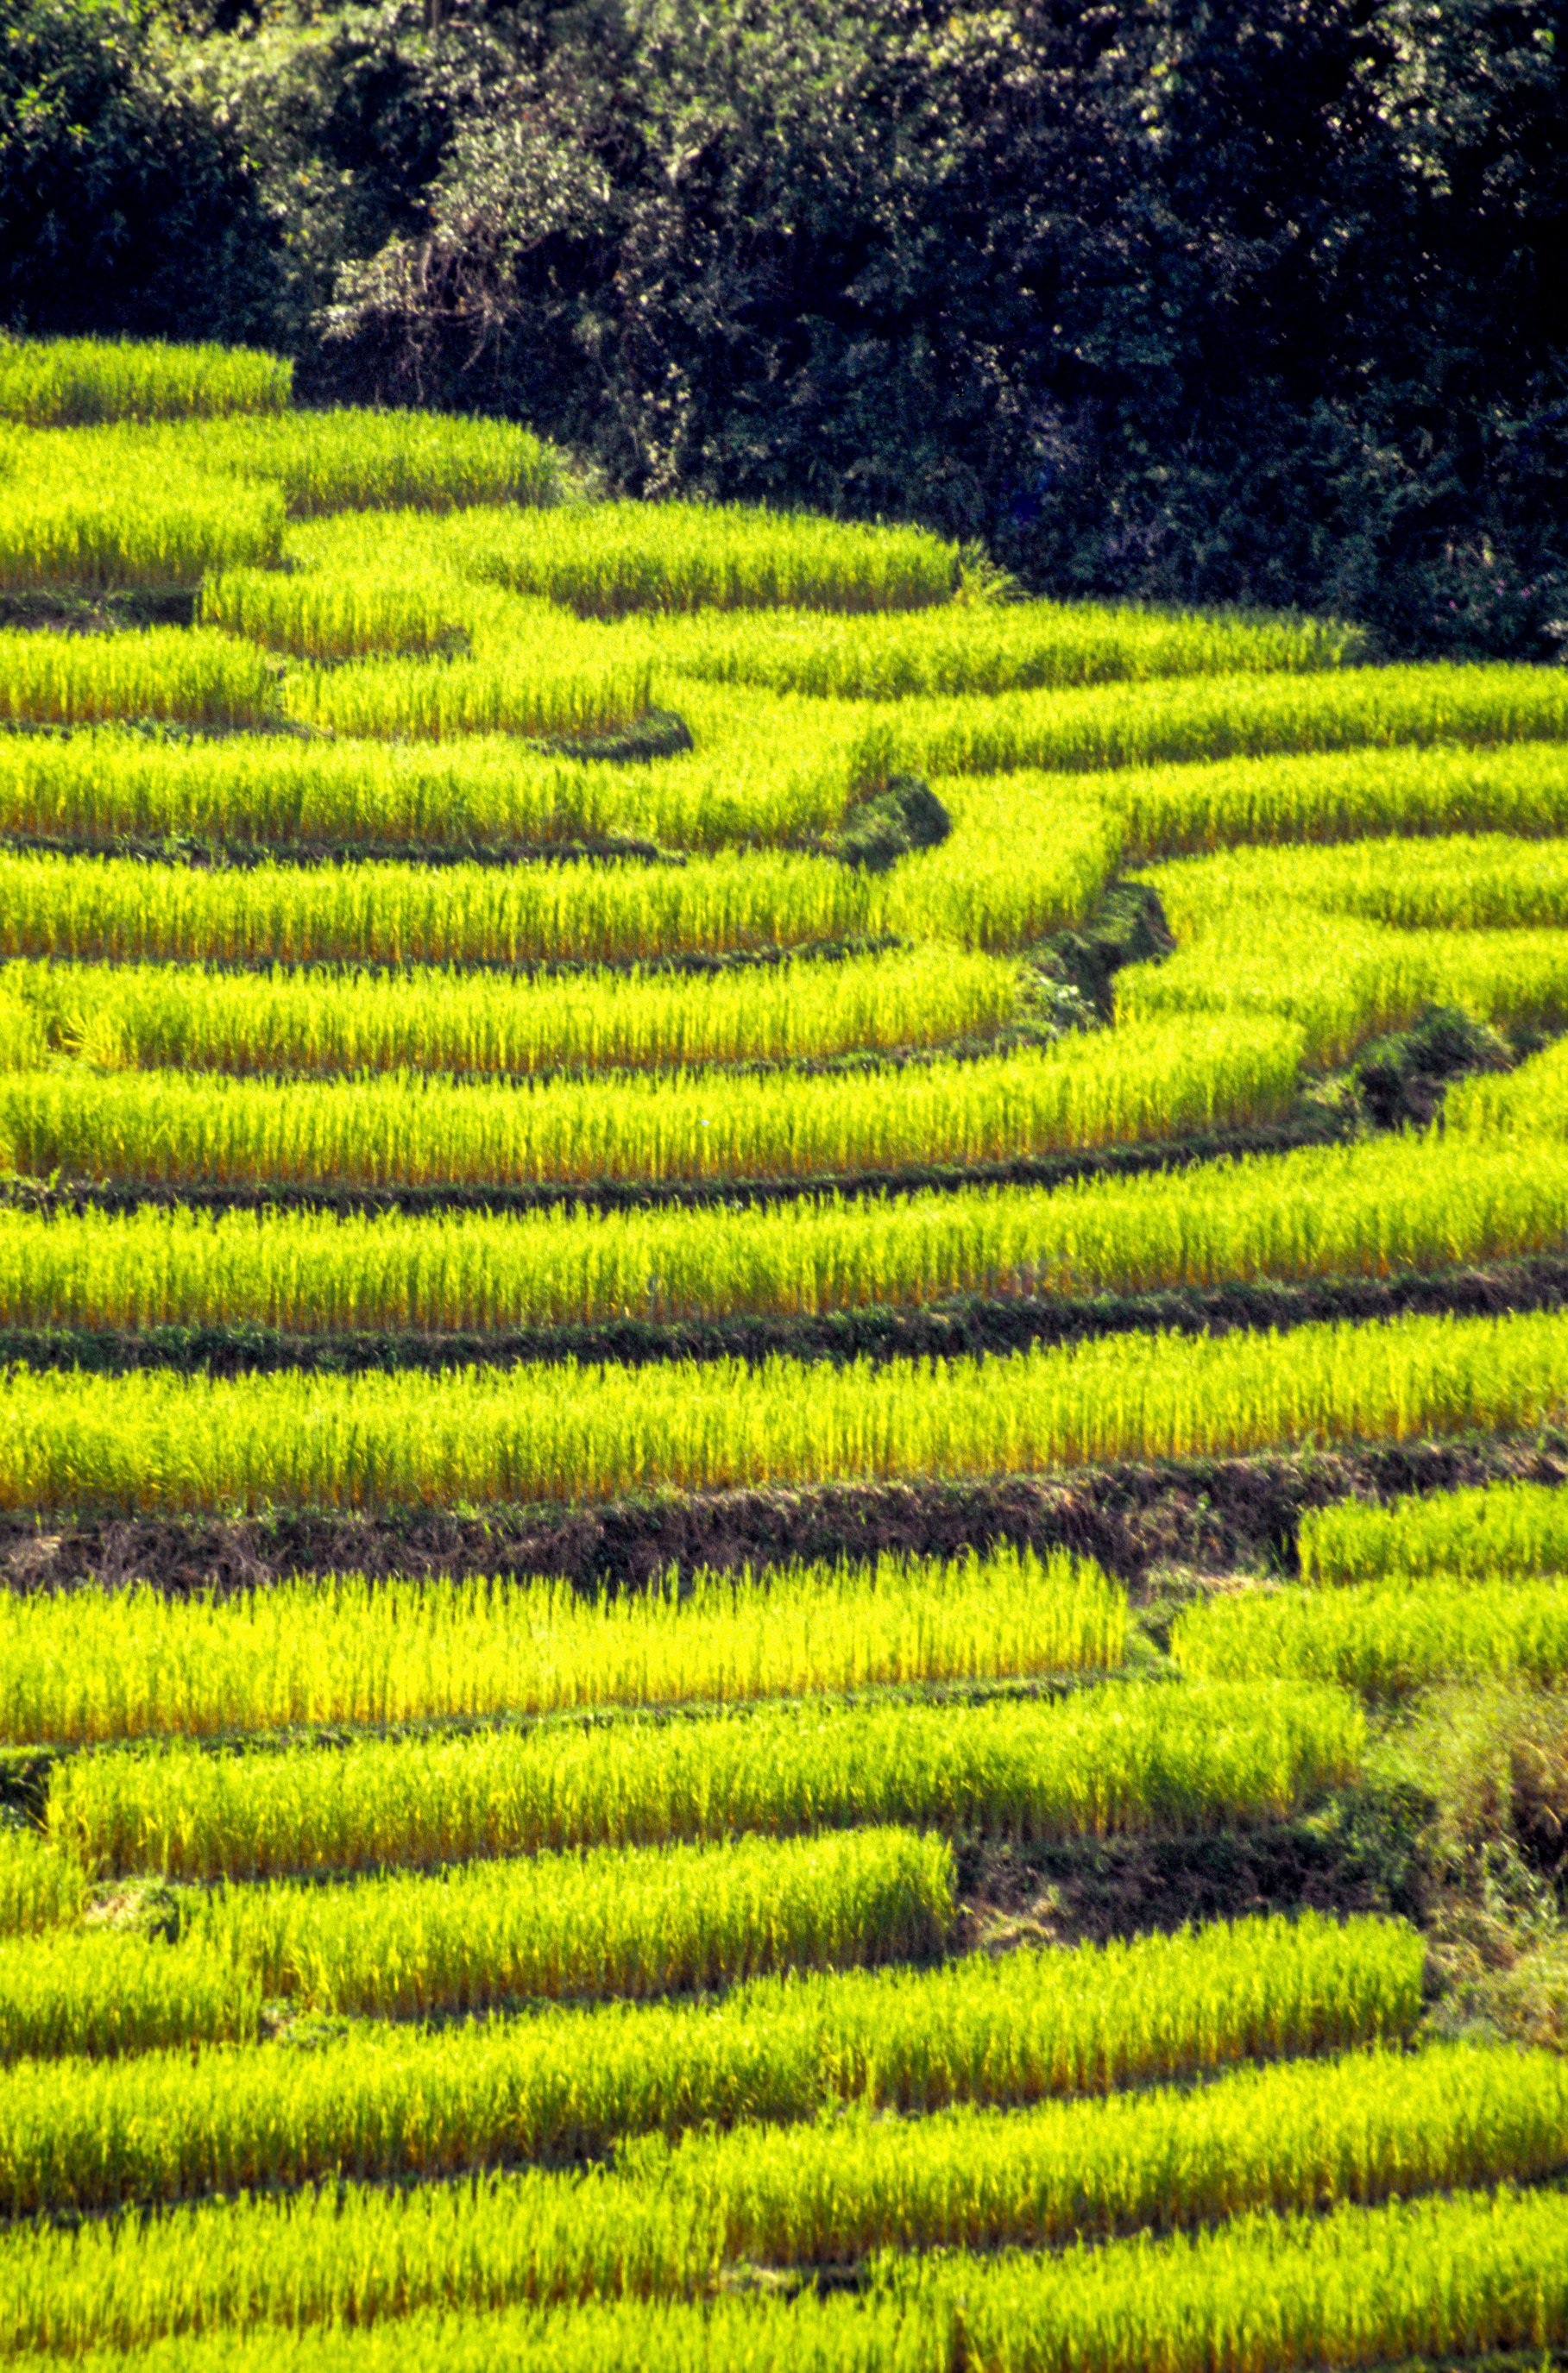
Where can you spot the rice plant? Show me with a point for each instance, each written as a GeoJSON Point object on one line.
{"type": "Point", "coordinates": [1499, 1528]}
{"type": "Point", "coordinates": [605, 1926]}
{"type": "Point", "coordinates": [1343, 981]}
{"type": "Point", "coordinates": [1481, 883]}
{"type": "Point", "coordinates": [68, 382]}
{"type": "Point", "coordinates": [1458, 2277]}
{"type": "Point", "coordinates": [121, 911]}
{"type": "Point", "coordinates": [127, 1663]}
{"type": "Point", "coordinates": [530, 688]}
{"type": "Point", "coordinates": [612, 1926]}
{"type": "Point", "coordinates": [476, 793]}
{"type": "Point", "coordinates": [1383, 1639]}
{"type": "Point", "coordinates": [40, 1888]}
{"type": "Point", "coordinates": [1165, 1081]}
{"type": "Point", "coordinates": [97, 537]}
{"type": "Point", "coordinates": [312, 616]}
{"type": "Point", "coordinates": [101, 1993]}
{"type": "Point", "coordinates": [563, 2085]}
{"type": "Point", "coordinates": [609, 559]}
{"type": "Point", "coordinates": [166, 673]}
{"type": "Point", "coordinates": [1007, 647]}
{"type": "Point", "coordinates": [1306, 2135]}
{"type": "Point", "coordinates": [1529, 1102]}
{"type": "Point", "coordinates": [488, 1024]}
{"type": "Point", "coordinates": [344, 459]}
{"type": "Point", "coordinates": [157, 1440]}
{"type": "Point", "coordinates": [1345, 795]}
{"type": "Point", "coordinates": [974, 893]}
{"type": "Point", "coordinates": [1467, 2276]}
{"type": "Point", "coordinates": [1117, 1759]}
{"type": "Point", "coordinates": [1285, 2139]}
{"type": "Point", "coordinates": [1218, 718]}
{"type": "Point", "coordinates": [1405, 1206]}
{"type": "Point", "coordinates": [1014, 869]}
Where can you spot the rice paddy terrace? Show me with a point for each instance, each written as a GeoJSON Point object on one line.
{"type": "Point", "coordinates": [785, 1347]}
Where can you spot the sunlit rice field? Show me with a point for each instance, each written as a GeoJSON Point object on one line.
{"type": "Point", "coordinates": [783, 1414]}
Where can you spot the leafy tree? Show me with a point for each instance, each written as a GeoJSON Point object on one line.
{"type": "Point", "coordinates": [121, 208]}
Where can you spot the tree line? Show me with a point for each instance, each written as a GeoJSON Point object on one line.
{"type": "Point", "coordinates": [1254, 301]}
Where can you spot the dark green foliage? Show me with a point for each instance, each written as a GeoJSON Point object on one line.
{"type": "Point", "coordinates": [123, 210]}
{"type": "Point", "coordinates": [97, 613]}
{"type": "Point", "coordinates": [659, 734]}
{"type": "Point", "coordinates": [906, 814]}
{"type": "Point", "coordinates": [1403, 1078]}
{"type": "Point", "coordinates": [139, 1907]}
{"type": "Point", "coordinates": [23, 1785]}
{"type": "Point", "coordinates": [1258, 301]}
{"type": "Point", "coordinates": [1127, 926]}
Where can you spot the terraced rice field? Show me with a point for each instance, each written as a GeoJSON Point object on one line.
{"type": "Point", "coordinates": [782, 1448]}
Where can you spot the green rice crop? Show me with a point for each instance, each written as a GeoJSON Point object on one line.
{"type": "Point", "coordinates": [606, 560]}
{"type": "Point", "coordinates": [121, 910]}
{"type": "Point", "coordinates": [617, 1926]}
{"type": "Point", "coordinates": [1168, 1082]}
{"type": "Point", "coordinates": [1344, 981]}
{"type": "Point", "coordinates": [1363, 2130]}
{"type": "Point", "coordinates": [96, 536]}
{"type": "Point", "coordinates": [807, 2335]}
{"type": "Point", "coordinates": [1529, 1102]}
{"type": "Point", "coordinates": [381, 605]}
{"type": "Point", "coordinates": [530, 688]}
{"type": "Point", "coordinates": [1497, 1529]}
{"type": "Point", "coordinates": [65, 383]}
{"type": "Point", "coordinates": [1404, 1205]}
{"type": "Point", "coordinates": [1302, 2135]}
{"type": "Point", "coordinates": [21, 1033]}
{"type": "Point", "coordinates": [157, 1440]}
{"type": "Point", "coordinates": [314, 616]}
{"type": "Point", "coordinates": [180, 1018]}
{"type": "Point", "coordinates": [1349, 795]}
{"type": "Point", "coordinates": [360, 2259]}
{"type": "Point", "coordinates": [474, 794]}
{"type": "Point", "coordinates": [1007, 647]}
{"type": "Point", "coordinates": [979, 889]}
{"type": "Point", "coordinates": [362, 460]}
{"type": "Point", "coordinates": [321, 795]}
{"type": "Point", "coordinates": [566, 2084]}
{"type": "Point", "coordinates": [1489, 881]}
{"type": "Point", "coordinates": [1385, 1639]}
{"type": "Point", "coordinates": [1218, 717]}
{"type": "Point", "coordinates": [40, 1887]}
{"type": "Point", "coordinates": [1116, 1760]}
{"type": "Point", "coordinates": [1012, 870]}
{"type": "Point", "coordinates": [1452, 2279]}
{"type": "Point", "coordinates": [344, 460]}
{"type": "Point", "coordinates": [164, 672]}
{"type": "Point", "coordinates": [1458, 2277]}
{"type": "Point", "coordinates": [103, 1994]}
{"type": "Point", "coordinates": [129, 1664]}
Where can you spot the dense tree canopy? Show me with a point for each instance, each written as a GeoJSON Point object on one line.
{"type": "Point", "coordinates": [1239, 299]}
{"type": "Point", "coordinates": [121, 207]}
